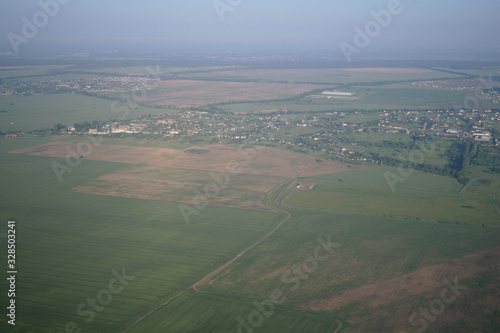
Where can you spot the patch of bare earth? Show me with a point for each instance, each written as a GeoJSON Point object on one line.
{"type": "Point", "coordinates": [157, 183]}
{"type": "Point", "coordinates": [174, 175]}
{"type": "Point", "coordinates": [389, 70]}
{"type": "Point", "coordinates": [258, 161]}
{"type": "Point", "coordinates": [177, 92]}
{"type": "Point", "coordinates": [385, 306]}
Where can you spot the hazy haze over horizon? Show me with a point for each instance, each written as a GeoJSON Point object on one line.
{"type": "Point", "coordinates": [250, 25]}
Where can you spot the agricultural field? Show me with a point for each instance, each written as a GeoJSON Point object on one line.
{"type": "Point", "coordinates": [376, 274]}
{"type": "Point", "coordinates": [375, 175]}
{"type": "Point", "coordinates": [82, 241]}
{"type": "Point", "coordinates": [142, 70]}
{"type": "Point", "coordinates": [28, 113]}
{"type": "Point", "coordinates": [365, 99]}
{"type": "Point", "coordinates": [177, 92]}
{"type": "Point", "coordinates": [264, 236]}
{"type": "Point", "coordinates": [236, 159]}
{"type": "Point", "coordinates": [384, 192]}
{"type": "Point", "coordinates": [21, 71]}
{"type": "Point", "coordinates": [227, 314]}
{"type": "Point", "coordinates": [334, 76]}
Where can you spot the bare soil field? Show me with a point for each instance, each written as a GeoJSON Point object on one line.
{"type": "Point", "coordinates": [186, 93]}
{"type": "Point", "coordinates": [177, 185]}
{"type": "Point", "coordinates": [389, 70]}
{"type": "Point", "coordinates": [396, 299]}
{"type": "Point", "coordinates": [254, 160]}
{"type": "Point", "coordinates": [174, 175]}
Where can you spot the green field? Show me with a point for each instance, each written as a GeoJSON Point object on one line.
{"type": "Point", "coordinates": [69, 243]}
{"type": "Point", "coordinates": [29, 71]}
{"type": "Point", "coordinates": [221, 314]}
{"type": "Point", "coordinates": [418, 98]}
{"type": "Point", "coordinates": [368, 191]}
{"type": "Point", "coordinates": [27, 113]}
{"type": "Point", "coordinates": [366, 99]}
{"type": "Point", "coordinates": [372, 250]}
{"type": "Point", "coordinates": [334, 76]}
{"type": "Point", "coordinates": [418, 181]}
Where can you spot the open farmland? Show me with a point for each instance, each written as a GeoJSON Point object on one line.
{"type": "Point", "coordinates": [27, 113]}
{"type": "Point", "coordinates": [478, 205]}
{"type": "Point", "coordinates": [256, 212]}
{"type": "Point", "coordinates": [376, 175]}
{"type": "Point", "coordinates": [23, 71]}
{"type": "Point", "coordinates": [177, 92]}
{"type": "Point", "coordinates": [381, 272]}
{"type": "Point", "coordinates": [80, 239]}
{"type": "Point", "coordinates": [332, 76]}
{"type": "Point", "coordinates": [244, 159]}
{"type": "Point", "coordinates": [170, 184]}
{"type": "Point", "coordinates": [172, 174]}
{"type": "Point", "coordinates": [220, 314]}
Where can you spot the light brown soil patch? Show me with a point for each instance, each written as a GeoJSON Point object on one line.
{"type": "Point", "coordinates": [389, 70]}
{"type": "Point", "coordinates": [176, 175]}
{"type": "Point", "coordinates": [258, 161]}
{"type": "Point", "coordinates": [178, 185]}
{"type": "Point", "coordinates": [414, 283]}
{"type": "Point", "coordinates": [388, 304]}
{"type": "Point", "coordinates": [196, 93]}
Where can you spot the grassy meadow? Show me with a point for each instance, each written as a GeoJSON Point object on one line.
{"type": "Point", "coordinates": [370, 193]}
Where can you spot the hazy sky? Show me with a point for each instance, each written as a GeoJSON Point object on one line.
{"type": "Point", "coordinates": [315, 24]}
